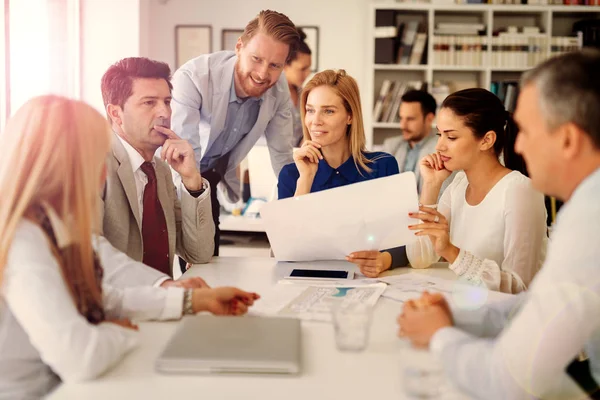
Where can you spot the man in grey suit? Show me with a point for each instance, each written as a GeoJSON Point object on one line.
{"type": "Point", "coordinates": [417, 112]}
{"type": "Point", "coordinates": [223, 102]}
{"type": "Point", "coordinates": [144, 214]}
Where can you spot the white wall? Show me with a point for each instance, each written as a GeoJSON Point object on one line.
{"type": "Point", "coordinates": [342, 26]}
{"type": "Point", "coordinates": [110, 31]}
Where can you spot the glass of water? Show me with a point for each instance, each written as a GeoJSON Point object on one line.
{"type": "Point", "coordinates": [423, 376]}
{"type": "Point", "coordinates": [351, 321]}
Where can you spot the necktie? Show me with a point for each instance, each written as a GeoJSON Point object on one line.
{"type": "Point", "coordinates": [154, 226]}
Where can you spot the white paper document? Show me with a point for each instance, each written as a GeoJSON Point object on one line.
{"type": "Point", "coordinates": [410, 286]}
{"type": "Point", "coordinates": [314, 302]}
{"type": "Point", "coordinates": [329, 225]}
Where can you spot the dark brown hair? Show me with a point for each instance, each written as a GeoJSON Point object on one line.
{"type": "Point", "coordinates": [117, 81]}
{"type": "Point", "coordinates": [482, 111]}
{"type": "Point", "coordinates": [302, 47]}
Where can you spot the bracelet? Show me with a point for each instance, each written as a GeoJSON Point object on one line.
{"type": "Point", "coordinates": [434, 206]}
{"type": "Point", "coordinates": [187, 302]}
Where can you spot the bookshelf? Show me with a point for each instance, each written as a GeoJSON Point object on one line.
{"type": "Point", "coordinates": [486, 59]}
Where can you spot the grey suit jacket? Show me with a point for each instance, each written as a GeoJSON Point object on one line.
{"type": "Point", "coordinates": [200, 99]}
{"type": "Point", "coordinates": [189, 221]}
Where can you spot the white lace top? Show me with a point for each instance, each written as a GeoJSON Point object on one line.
{"type": "Point", "coordinates": [502, 240]}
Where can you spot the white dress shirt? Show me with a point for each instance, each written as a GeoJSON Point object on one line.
{"type": "Point", "coordinates": [519, 349]}
{"type": "Point", "coordinates": [141, 179]}
{"type": "Point", "coordinates": [502, 240]}
{"type": "Point", "coordinates": [43, 337]}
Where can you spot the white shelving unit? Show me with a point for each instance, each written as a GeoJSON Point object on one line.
{"type": "Point", "coordinates": [553, 20]}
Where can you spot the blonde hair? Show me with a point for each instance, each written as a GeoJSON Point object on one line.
{"type": "Point", "coordinates": [276, 25]}
{"type": "Point", "coordinates": [54, 153]}
{"type": "Point", "coordinates": [347, 89]}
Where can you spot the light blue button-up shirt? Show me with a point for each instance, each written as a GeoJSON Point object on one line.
{"type": "Point", "coordinates": [241, 117]}
{"type": "Point", "coordinates": [412, 156]}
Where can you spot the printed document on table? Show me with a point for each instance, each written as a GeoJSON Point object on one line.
{"type": "Point", "coordinates": [411, 286]}
{"type": "Point", "coordinates": [330, 224]}
{"type": "Point", "coordinates": [314, 302]}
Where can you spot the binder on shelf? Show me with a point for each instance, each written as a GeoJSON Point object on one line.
{"type": "Point", "coordinates": [385, 50]}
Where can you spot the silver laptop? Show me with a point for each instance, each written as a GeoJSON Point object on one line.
{"type": "Point", "coordinates": [207, 344]}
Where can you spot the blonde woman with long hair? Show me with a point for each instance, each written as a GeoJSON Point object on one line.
{"type": "Point", "coordinates": [334, 150]}
{"type": "Point", "coordinates": [59, 320]}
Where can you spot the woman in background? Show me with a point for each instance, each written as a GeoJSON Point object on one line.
{"type": "Point", "coordinates": [58, 320]}
{"type": "Point", "coordinates": [296, 71]}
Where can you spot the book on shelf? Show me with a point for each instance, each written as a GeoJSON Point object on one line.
{"type": "Point", "coordinates": [507, 92]}
{"type": "Point", "coordinates": [564, 44]}
{"type": "Point", "coordinates": [451, 28]}
{"type": "Point", "coordinates": [418, 49]}
{"type": "Point", "coordinates": [389, 99]}
{"type": "Point", "coordinates": [408, 45]}
{"type": "Point", "coordinates": [385, 87]}
{"type": "Point", "coordinates": [508, 50]}
{"type": "Point", "coordinates": [519, 50]}
{"type": "Point", "coordinates": [522, 2]}
{"type": "Point", "coordinates": [385, 110]}
{"type": "Point", "coordinates": [460, 50]}
{"type": "Point", "coordinates": [408, 39]}
{"type": "Point", "coordinates": [581, 2]}
{"type": "Point", "coordinates": [390, 109]}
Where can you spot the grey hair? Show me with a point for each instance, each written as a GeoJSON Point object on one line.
{"type": "Point", "coordinates": [569, 87]}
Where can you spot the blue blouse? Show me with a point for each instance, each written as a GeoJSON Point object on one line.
{"type": "Point", "coordinates": [384, 164]}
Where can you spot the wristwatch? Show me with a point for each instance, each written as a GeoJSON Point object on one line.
{"type": "Point", "coordinates": [187, 302]}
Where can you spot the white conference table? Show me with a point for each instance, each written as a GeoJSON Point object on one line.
{"type": "Point", "coordinates": [326, 372]}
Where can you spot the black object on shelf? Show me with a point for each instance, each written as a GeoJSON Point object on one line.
{"type": "Point", "coordinates": [385, 18]}
{"type": "Point", "coordinates": [385, 50]}
{"type": "Point", "coordinates": [590, 29]}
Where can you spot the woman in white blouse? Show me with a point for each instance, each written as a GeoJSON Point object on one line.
{"type": "Point", "coordinates": [490, 224]}
{"type": "Point", "coordinates": [58, 320]}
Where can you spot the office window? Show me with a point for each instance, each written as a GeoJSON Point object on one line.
{"type": "Point", "coordinates": [41, 46]}
{"type": "Point", "coordinates": [4, 109]}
